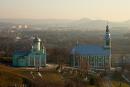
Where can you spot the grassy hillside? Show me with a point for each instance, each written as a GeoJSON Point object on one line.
{"type": "Point", "coordinates": [11, 77]}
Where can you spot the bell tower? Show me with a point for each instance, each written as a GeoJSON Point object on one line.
{"type": "Point", "coordinates": [107, 39]}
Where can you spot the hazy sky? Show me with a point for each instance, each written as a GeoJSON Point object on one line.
{"type": "Point", "coordinates": [114, 10]}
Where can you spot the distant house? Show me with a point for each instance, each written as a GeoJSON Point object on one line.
{"type": "Point", "coordinates": [35, 57]}
{"type": "Point", "coordinates": [98, 57]}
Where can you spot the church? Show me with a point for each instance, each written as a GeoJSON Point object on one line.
{"type": "Point", "coordinates": [95, 56]}
{"type": "Point", "coordinates": [36, 57]}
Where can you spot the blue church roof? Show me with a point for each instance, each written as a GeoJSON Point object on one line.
{"type": "Point", "coordinates": [91, 50]}
{"type": "Point", "coordinates": [21, 53]}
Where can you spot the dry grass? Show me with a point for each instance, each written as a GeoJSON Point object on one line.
{"type": "Point", "coordinates": [10, 77]}
{"type": "Point", "coordinates": [49, 79]}
{"type": "Point", "coordinates": [117, 84]}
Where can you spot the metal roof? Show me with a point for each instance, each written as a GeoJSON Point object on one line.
{"type": "Point", "coordinates": [91, 50]}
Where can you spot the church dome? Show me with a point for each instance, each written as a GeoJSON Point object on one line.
{"type": "Point", "coordinates": [36, 39]}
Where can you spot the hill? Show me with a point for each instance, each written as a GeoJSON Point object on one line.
{"type": "Point", "coordinates": [10, 77]}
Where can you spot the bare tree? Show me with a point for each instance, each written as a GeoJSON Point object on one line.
{"type": "Point", "coordinates": [84, 66]}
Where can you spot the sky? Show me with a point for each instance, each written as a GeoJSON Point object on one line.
{"type": "Point", "coordinates": [113, 10]}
